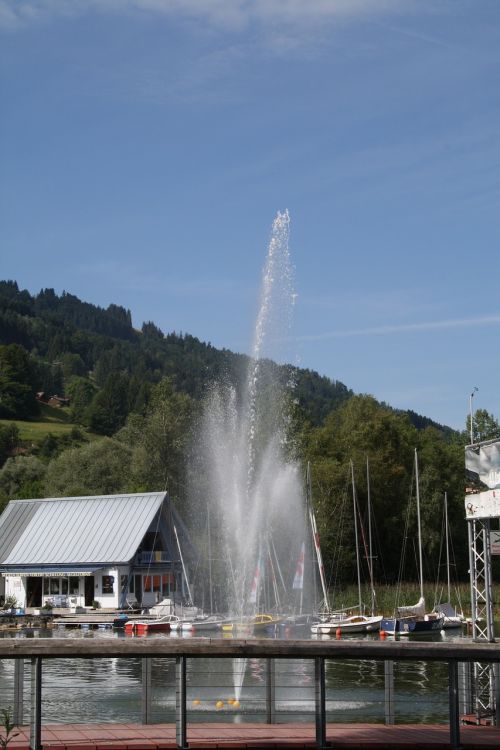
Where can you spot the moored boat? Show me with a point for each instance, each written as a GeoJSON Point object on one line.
{"type": "Point", "coordinates": [451, 618]}
{"type": "Point", "coordinates": [142, 627]}
{"type": "Point", "coordinates": [264, 622]}
{"type": "Point", "coordinates": [120, 621]}
{"type": "Point", "coordinates": [413, 620]}
{"type": "Point", "coordinates": [180, 625]}
{"type": "Point", "coordinates": [212, 622]}
{"type": "Point", "coordinates": [352, 624]}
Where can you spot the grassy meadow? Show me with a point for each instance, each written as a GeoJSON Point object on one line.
{"type": "Point", "coordinates": [408, 594]}
{"type": "Point", "coordinates": [51, 420]}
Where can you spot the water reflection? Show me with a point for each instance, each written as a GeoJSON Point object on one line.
{"type": "Point", "coordinates": [110, 689]}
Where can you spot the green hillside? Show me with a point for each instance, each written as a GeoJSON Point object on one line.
{"type": "Point", "coordinates": [140, 394]}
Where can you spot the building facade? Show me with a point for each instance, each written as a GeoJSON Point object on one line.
{"type": "Point", "coordinates": [111, 551]}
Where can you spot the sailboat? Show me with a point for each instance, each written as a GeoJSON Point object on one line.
{"type": "Point", "coordinates": [358, 623]}
{"type": "Point", "coordinates": [413, 620]}
{"type": "Point", "coordinates": [452, 619]}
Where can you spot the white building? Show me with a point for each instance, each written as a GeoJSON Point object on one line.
{"type": "Point", "coordinates": [102, 551]}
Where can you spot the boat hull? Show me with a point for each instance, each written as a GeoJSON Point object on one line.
{"type": "Point", "coordinates": [265, 623]}
{"type": "Point", "coordinates": [453, 622]}
{"type": "Point", "coordinates": [355, 624]}
{"type": "Point", "coordinates": [411, 626]}
{"type": "Point", "coordinates": [143, 628]}
{"type": "Point", "coordinates": [209, 625]}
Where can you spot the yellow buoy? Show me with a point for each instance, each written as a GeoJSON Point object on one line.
{"type": "Point", "coordinates": [236, 704]}
{"type": "Point", "coordinates": [196, 702]}
{"type": "Point", "coordinates": [219, 704]}
{"type": "Point", "coordinates": [230, 701]}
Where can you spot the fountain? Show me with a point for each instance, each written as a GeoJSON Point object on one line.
{"type": "Point", "coordinates": [253, 481]}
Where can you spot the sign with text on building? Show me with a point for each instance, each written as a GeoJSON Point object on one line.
{"type": "Point", "coordinates": [495, 542]}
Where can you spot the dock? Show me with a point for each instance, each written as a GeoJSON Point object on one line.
{"type": "Point", "coordinates": [186, 732]}
{"type": "Point", "coordinates": [63, 618]}
{"type": "Point", "coordinates": [256, 736]}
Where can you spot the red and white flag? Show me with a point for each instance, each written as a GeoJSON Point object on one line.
{"type": "Point", "coordinates": [298, 581]}
{"type": "Point", "coordinates": [255, 585]}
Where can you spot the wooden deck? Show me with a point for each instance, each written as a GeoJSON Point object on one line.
{"type": "Point", "coordinates": [282, 736]}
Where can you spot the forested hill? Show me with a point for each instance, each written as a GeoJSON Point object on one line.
{"type": "Point", "coordinates": [68, 338]}
{"type": "Point", "coordinates": [127, 407]}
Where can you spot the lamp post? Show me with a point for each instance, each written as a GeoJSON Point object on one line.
{"type": "Point", "coordinates": [472, 416]}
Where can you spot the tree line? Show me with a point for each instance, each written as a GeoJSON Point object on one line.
{"type": "Point", "coordinates": [142, 393]}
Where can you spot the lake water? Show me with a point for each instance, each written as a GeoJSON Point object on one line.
{"type": "Point", "coordinates": [110, 689]}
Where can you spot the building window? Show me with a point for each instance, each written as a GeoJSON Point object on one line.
{"type": "Point", "coordinates": [54, 586]}
{"type": "Point", "coordinates": [147, 583]}
{"type": "Point", "coordinates": [74, 585]}
{"type": "Point", "coordinates": [107, 584]}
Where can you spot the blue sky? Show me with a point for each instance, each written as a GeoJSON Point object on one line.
{"type": "Point", "coordinates": [146, 146]}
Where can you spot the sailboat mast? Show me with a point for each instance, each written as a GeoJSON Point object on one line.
{"type": "Point", "coordinates": [355, 508]}
{"type": "Point", "coordinates": [447, 545]}
{"type": "Point", "coordinates": [308, 509]}
{"type": "Point", "coordinates": [315, 534]}
{"type": "Point", "coordinates": [183, 568]}
{"type": "Point", "coordinates": [420, 559]}
{"type": "Point", "coordinates": [209, 558]}
{"type": "Point", "coordinates": [370, 556]}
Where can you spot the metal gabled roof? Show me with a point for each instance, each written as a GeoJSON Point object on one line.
{"type": "Point", "coordinates": [76, 530]}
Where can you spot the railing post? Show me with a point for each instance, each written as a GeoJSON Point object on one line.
{"type": "Point", "coordinates": [389, 691]}
{"type": "Point", "coordinates": [146, 690]}
{"type": "Point", "coordinates": [496, 677]}
{"type": "Point", "coordinates": [180, 702]}
{"type": "Point", "coordinates": [320, 701]}
{"type": "Point", "coordinates": [466, 691]}
{"type": "Point", "coordinates": [36, 703]}
{"type": "Point", "coordinates": [17, 714]}
{"type": "Point", "coordinates": [270, 691]}
{"type": "Point", "coordinates": [453, 705]}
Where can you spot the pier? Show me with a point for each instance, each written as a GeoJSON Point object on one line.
{"type": "Point", "coordinates": [257, 736]}
{"type": "Point", "coordinates": [320, 732]}
{"type": "Point", "coordinates": [61, 618]}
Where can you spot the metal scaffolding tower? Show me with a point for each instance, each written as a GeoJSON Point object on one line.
{"type": "Point", "coordinates": [483, 460]}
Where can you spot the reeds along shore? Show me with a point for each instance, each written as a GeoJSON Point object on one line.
{"type": "Point", "coordinates": [389, 596]}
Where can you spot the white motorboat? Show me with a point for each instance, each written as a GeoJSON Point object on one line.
{"type": "Point", "coordinates": [352, 624]}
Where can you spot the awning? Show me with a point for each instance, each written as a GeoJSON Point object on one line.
{"type": "Point", "coordinates": [52, 572]}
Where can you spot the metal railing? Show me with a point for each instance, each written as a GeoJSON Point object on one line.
{"type": "Point", "coordinates": [319, 654]}
{"type": "Point", "coordinates": [147, 557]}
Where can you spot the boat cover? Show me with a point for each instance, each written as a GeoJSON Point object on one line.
{"type": "Point", "coordinates": [446, 609]}
{"type": "Point", "coordinates": [418, 609]}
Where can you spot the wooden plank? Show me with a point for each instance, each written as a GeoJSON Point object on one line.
{"type": "Point", "coordinates": [293, 735]}
{"type": "Point", "coordinates": [218, 647]}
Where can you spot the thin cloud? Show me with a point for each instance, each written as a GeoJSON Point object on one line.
{"type": "Point", "coordinates": [132, 279]}
{"type": "Point", "coordinates": [226, 14]}
{"type": "Point", "coordinates": [413, 35]}
{"type": "Point", "coordinates": [435, 325]}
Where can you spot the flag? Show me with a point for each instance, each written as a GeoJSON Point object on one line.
{"type": "Point", "coordinates": [255, 585]}
{"type": "Point", "coordinates": [298, 581]}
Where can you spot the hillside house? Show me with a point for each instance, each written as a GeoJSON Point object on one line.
{"type": "Point", "coordinates": [108, 549]}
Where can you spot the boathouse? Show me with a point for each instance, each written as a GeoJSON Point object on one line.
{"type": "Point", "coordinates": [110, 551]}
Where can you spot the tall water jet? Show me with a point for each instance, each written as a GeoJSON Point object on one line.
{"type": "Point", "coordinates": [253, 481]}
